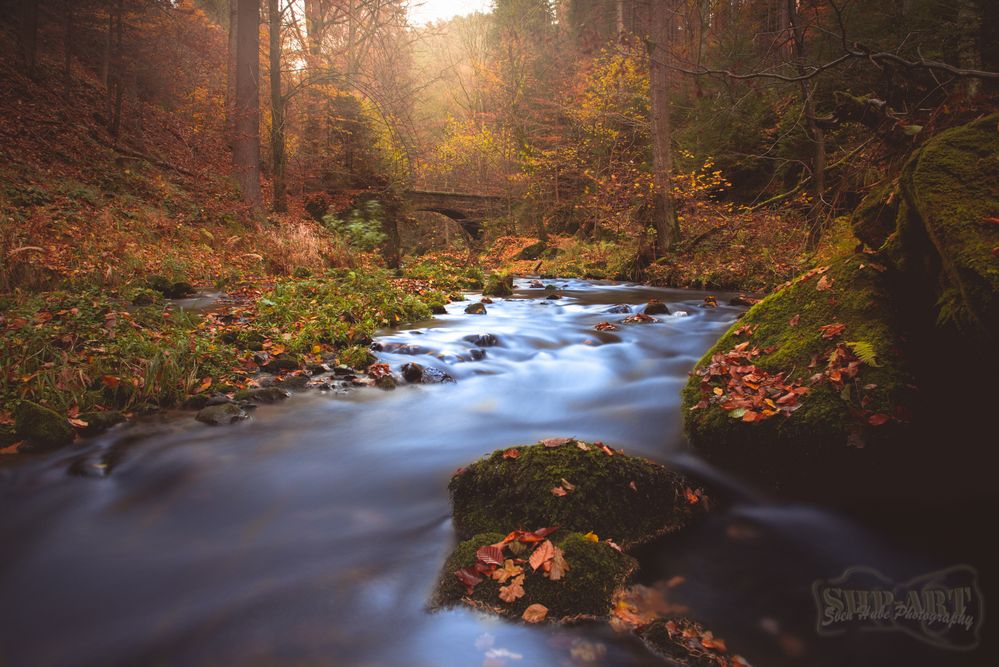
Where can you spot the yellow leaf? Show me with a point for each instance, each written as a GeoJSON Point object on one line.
{"type": "Point", "coordinates": [591, 537]}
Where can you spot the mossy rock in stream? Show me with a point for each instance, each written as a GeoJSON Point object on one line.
{"type": "Point", "coordinates": [947, 224]}
{"type": "Point", "coordinates": [43, 428]}
{"type": "Point", "coordinates": [498, 284]}
{"type": "Point", "coordinates": [586, 590]}
{"type": "Point", "coordinates": [623, 498]}
{"type": "Point", "coordinates": [842, 424]}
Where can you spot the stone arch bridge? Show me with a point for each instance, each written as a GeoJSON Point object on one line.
{"type": "Point", "coordinates": [467, 209]}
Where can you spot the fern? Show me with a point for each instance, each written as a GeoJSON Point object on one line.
{"type": "Point", "coordinates": [864, 351]}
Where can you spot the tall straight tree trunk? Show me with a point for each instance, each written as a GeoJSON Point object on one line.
{"type": "Point", "coordinates": [27, 36]}
{"type": "Point", "coordinates": [314, 34]}
{"type": "Point", "coordinates": [116, 100]}
{"type": "Point", "coordinates": [657, 41]}
{"type": "Point", "coordinates": [246, 142]}
{"type": "Point", "coordinates": [280, 203]}
{"type": "Point", "coordinates": [230, 90]}
{"type": "Point", "coordinates": [67, 48]}
{"type": "Point", "coordinates": [106, 56]}
{"type": "Point", "coordinates": [815, 133]}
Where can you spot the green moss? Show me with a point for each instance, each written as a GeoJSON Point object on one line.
{"type": "Point", "coordinates": [951, 187]}
{"type": "Point", "coordinates": [788, 449]}
{"type": "Point", "coordinates": [595, 571]}
{"type": "Point", "coordinates": [873, 221]}
{"type": "Point", "coordinates": [357, 357]}
{"type": "Point", "coordinates": [498, 284]}
{"type": "Point", "coordinates": [41, 427]}
{"type": "Point", "coordinates": [503, 494]}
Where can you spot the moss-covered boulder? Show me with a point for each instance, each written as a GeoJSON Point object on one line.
{"type": "Point", "coordinates": [950, 197]}
{"type": "Point", "coordinates": [578, 486]}
{"type": "Point", "coordinates": [43, 428]}
{"type": "Point", "coordinates": [593, 571]}
{"type": "Point", "coordinates": [811, 378]}
{"type": "Point", "coordinates": [685, 642]}
{"type": "Point", "coordinates": [498, 284]}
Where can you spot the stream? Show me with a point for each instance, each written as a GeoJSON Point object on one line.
{"type": "Point", "coordinates": [312, 533]}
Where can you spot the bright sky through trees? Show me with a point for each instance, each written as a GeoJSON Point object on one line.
{"type": "Point", "coordinates": [426, 11]}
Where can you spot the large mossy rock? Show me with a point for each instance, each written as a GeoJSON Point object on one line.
{"type": "Point", "coordinates": [498, 284]}
{"type": "Point", "coordinates": [820, 400]}
{"type": "Point", "coordinates": [950, 198]}
{"type": "Point", "coordinates": [623, 498]}
{"type": "Point", "coordinates": [586, 590]}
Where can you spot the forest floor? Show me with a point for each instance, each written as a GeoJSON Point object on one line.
{"type": "Point", "coordinates": [98, 234]}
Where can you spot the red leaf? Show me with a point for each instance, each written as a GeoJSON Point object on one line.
{"type": "Point", "coordinates": [511, 453]}
{"type": "Point", "coordinates": [469, 577]}
{"type": "Point", "coordinates": [878, 419]}
{"type": "Point", "coordinates": [490, 554]}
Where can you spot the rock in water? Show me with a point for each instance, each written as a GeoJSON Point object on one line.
{"type": "Point", "coordinates": [622, 498]}
{"type": "Point", "coordinates": [475, 309]}
{"type": "Point", "coordinates": [811, 381]}
{"type": "Point", "coordinates": [595, 571]}
{"type": "Point", "coordinates": [216, 415]}
{"type": "Point", "coordinates": [482, 340]}
{"type": "Point", "coordinates": [619, 309]}
{"type": "Point", "coordinates": [655, 307]}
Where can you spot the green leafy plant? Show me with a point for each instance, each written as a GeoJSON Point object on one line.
{"type": "Point", "coordinates": [363, 227]}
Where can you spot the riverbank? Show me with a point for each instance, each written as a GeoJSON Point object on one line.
{"type": "Point", "coordinates": [77, 362]}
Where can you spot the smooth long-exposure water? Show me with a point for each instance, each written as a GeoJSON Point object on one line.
{"type": "Point", "coordinates": [312, 533]}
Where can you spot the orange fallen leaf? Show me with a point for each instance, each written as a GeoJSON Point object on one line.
{"type": "Point", "coordinates": [558, 491]}
{"type": "Point", "coordinates": [512, 591]}
{"type": "Point", "coordinates": [511, 453]}
{"type": "Point", "coordinates": [541, 555]}
{"type": "Point", "coordinates": [535, 613]}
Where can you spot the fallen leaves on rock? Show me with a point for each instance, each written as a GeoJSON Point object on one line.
{"type": "Point", "coordinates": [555, 442]}
{"type": "Point", "coordinates": [638, 605]}
{"type": "Point", "coordinates": [639, 318]}
{"type": "Point", "coordinates": [511, 453]}
{"type": "Point", "coordinates": [541, 555]}
{"type": "Point", "coordinates": [605, 326]}
{"type": "Point", "coordinates": [508, 571]}
{"type": "Point", "coordinates": [748, 392]}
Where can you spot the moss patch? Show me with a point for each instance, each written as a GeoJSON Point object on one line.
{"type": "Point", "coordinates": [596, 570]}
{"type": "Point", "coordinates": [623, 498]}
{"type": "Point", "coordinates": [951, 187]}
{"type": "Point", "coordinates": [873, 221]}
{"type": "Point", "coordinates": [498, 284]}
{"type": "Point", "coordinates": [41, 427]}
{"type": "Point", "coordinates": [793, 451]}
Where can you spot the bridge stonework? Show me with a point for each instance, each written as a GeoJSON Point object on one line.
{"type": "Point", "coordinates": [467, 209]}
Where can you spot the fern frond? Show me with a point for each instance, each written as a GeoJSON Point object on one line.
{"type": "Point", "coordinates": [864, 351]}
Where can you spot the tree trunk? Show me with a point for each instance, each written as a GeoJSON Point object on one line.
{"type": "Point", "coordinates": [314, 34]}
{"type": "Point", "coordinates": [657, 44]}
{"type": "Point", "coordinates": [106, 58]}
{"type": "Point", "coordinates": [280, 203]}
{"type": "Point", "coordinates": [815, 133]}
{"type": "Point", "coordinates": [67, 48]}
{"type": "Point", "coordinates": [246, 142]}
{"type": "Point", "coordinates": [116, 100]}
{"type": "Point", "coordinates": [28, 35]}
{"type": "Point", "coordinates": [230, 90]}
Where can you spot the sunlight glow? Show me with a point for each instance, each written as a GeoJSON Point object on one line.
{"type": "Point", "coordinates": [422, 12]}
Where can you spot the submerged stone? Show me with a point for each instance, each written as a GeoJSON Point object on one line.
{"type": "Point", "coordinates": [655, 307]}
{"type": "Point", "coordinates": [623, 498]}
{"type": "Point", "coordinates": [217, 415]}
{"type": "Point", "coordinates": [595, 571]}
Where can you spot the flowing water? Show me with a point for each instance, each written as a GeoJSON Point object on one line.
{"type": "Point", "coordinates": [312, 533]}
